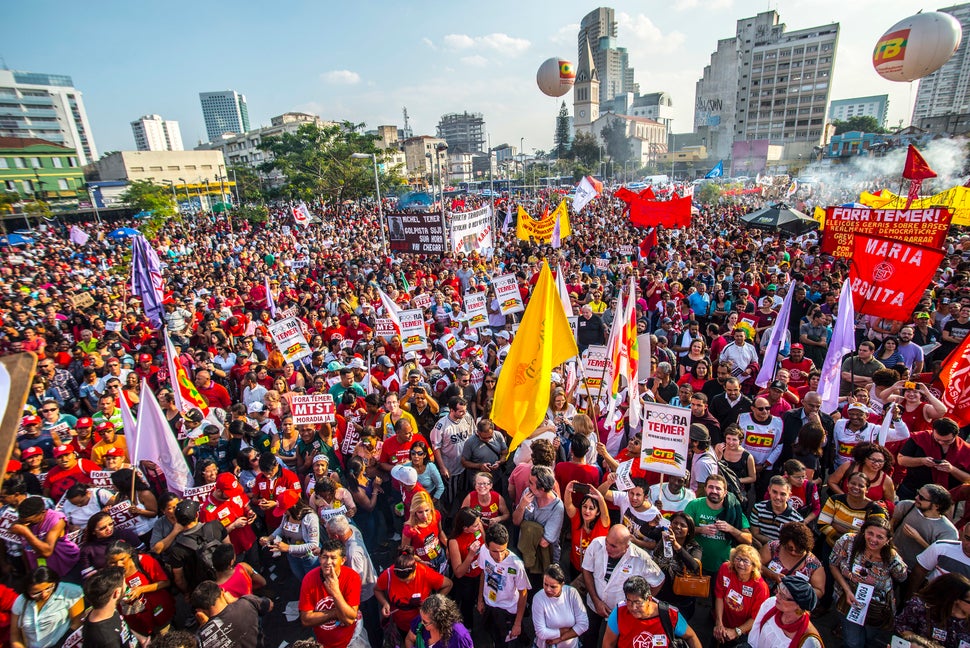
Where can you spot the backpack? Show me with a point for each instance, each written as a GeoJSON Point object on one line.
{"type": "Point", "coordinates": [199, 565]}
{"type": "Point", "coordinates": [734, 484]}
{"type": "Point", "coordinates": [664, 613]}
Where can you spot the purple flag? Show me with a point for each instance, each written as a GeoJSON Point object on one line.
{"type": "Point", "coordinates": [508, 219]}
{"type": "Point", "coordinates": [776, 341]}
{"type": "Point", "coordinates": [270, 303]}
{"type": "Point", "coordinates": [146, 279]}
{"type": "Point", "coordinates": [843, 342]}
{"type": "Point", "coordinates": [556, 234]}
{"type": "Point", "coordinates": [78, 235]}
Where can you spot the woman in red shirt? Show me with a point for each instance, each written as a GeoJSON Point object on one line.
{"type": "Point", "coordinates": [588, 522]}
{"type": "Point", "coordinates": [402, 587]}
{"type": "Point", "coordinates": [463, 549]}
{"type": "Point", "coordinates": [487, 503]}
{"type": "Point", "coordinates": [423, 533]}
{"type": "Point", "coordinates": [148, 605]}
{"type": "Point", "coordinates": [738, 594]}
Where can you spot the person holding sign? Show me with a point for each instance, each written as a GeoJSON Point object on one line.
{"type": "Point", "coordinates": [636, 512]}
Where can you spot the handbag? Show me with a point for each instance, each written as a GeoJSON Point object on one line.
{"type": "Point", "coordinates": [698, 586]}
{"type": "Point", "coordinates": [879, 614]}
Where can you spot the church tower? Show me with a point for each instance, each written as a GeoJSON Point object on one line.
{"type": "Point", "coordinates": [586, 91]}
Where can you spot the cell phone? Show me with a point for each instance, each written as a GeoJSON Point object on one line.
{"type": "Point", "coordinates": [202, 440]}
{"type": "Point", "coordinates": [582, 489]}
{"type": "Point", "coordinates": [909, 385]}
{"type": "Point", "coordinates": [938, 461]}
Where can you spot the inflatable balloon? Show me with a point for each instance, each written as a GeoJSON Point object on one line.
{"type": "Point", "coordinates": [556, 77]}
{"type": "Point", "coordinates": [916, 46]}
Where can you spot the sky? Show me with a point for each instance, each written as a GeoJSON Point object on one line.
{"type": "Point", "coordinates": [364, 61]}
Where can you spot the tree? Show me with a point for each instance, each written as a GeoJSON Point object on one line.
{"type": "Point", "coordinates": [859, 123]}
{"type": "Point", "coordinates": [316, 161]}
{"type": "Point", "coordinates": [586, 149]}
{"type": "Point", "coordinates": [708, 193]}
{"type": "Point", "coordinates": [248, 183]}
{"type": "Point", "coordinates": [154, 199]}
{"type": "Point", "coordinates": [561, 137]}
{"type": "Point", "coordinates": [618, 145]}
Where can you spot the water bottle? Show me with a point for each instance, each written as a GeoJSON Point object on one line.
{"type": "Point", "coordinates": [668, 547]}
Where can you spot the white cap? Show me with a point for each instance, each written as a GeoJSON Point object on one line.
{"type": "Point", "coordinates": [255, 407]}
{"type": "Point", "coordinates": [405, 474]}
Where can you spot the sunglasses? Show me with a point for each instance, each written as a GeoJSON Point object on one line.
{"type": "Point", "coordinates": [762, 409]}
{"type": "Point", "coordinates": [49, 409]}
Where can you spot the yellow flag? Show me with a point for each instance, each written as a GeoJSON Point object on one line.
{"type": "Point", "coordinates": [819, 215]}
{"type": "Point", "coordinates": [957, 199]}
{"type": "Point", "coordinates": [541, 230]}
{"type": "Point", "coordinates": [544, 341]}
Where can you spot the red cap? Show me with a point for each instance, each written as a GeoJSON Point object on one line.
{"type": "Point", "coordinates": [63, 450]}
{"type": "Point", "coordinates": [227, 483]}
{"type": "Point", "coordinates": [32, 451]}
{"type": "Point", "coordinates": [31, 420]}
{"type": "Point", "coordinates": [13, 466]}
{"type": "Point", "coordinates": [115, 452]}
{"type": "Point", "coordinates": [285, 501]}
{"type": "Point", "coordinates": [84, 422]}
{"type": "Point", "coordinates": [798, 345]}
{"type": "Point", "coordinates": [144, 357]}
{"type": "Point", "coordinates": [105, 425]}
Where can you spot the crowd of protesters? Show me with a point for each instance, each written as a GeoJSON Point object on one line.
{"type": "Point", "coordinates": [407, 521]}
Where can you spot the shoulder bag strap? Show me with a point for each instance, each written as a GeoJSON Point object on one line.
{"type": "Point", "coordinates": [898, 524]}
{"type": "Point", "coordinates": [663, 611]}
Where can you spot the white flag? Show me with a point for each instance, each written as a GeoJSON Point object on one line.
{"type": "Point", "coordinates": [585, 192]}
{"type": "Point", "coordinates": [270, 303]}
{"type": "Point", "coordinates": [391, 310]}
{"type": "Point", "coordinates": [301, 214]}
{"type": "Point", "coordinates": [156, 442]}
{"type": "Point", "coordinates": [128, 421]}
{"type": "Point", "coordinates": [842, 343]}
{"type": "Point", "coordinates": [563, 292]}
{"type": "Point", "coordinates": [767, 372]}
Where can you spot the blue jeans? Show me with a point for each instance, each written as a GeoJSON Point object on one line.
{"type": "Point", "coordinates": [857, 636]}
{"type": "Point", "coordinates": [301, 566]}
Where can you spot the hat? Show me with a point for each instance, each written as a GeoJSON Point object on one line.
{"type": "Point", "coordinates": [320, 457]}
{"type": "Point", "coordinates": [104, 426]}
{"type": "Point", "coordinates": [144, 357]}
{"type": "Point", "coordinates": [32, 451]}
{"type": "Point", "coordinates": [186, 510]}
{"type": "Point", "coordinates": [661, 336]}
{"type": "Point", "coordinates": [255, 408]}
{"type": "Point", "coordinates": [333, 365]}
{"type": "Point", "coordinates": [356, 363]}
{"type": "Point", "coordinates": [699, 433]}
{"type": "Point", "coordinates": [117, 346]}
{"type": "Point", "coordinates": [777, 384]}
{"type": "Point", "coordinates": [798, 345]}
{"type": "Point", "coordinates": [410, 355]}
{"type": "Point", "coordinates": [771, 287]}
{"type": "Point", "coordinates": [194, 415]}
{"type": "Point", "coordinates": [31, 420]}
{"type": "Point", "coordinates": [115, 452]}
{"type": "Point", "coordinates": [922, 315]}
{"type": "Point", "coordinates": [405, 474]}
{"type": "Point", "coordinates": [503, 334]}
{"type": "Point", "coordinates": [801, 591]}
{"type": "Point", "coordinates": [62, 450]}
{"type": "Point", "coordinates": [227, 483]}
{"type": "Point", "coordinates": [285, 501]}
{"type": "Point", "coordinates": [384, 361]}
{"type": "Point", "coordinates": [858, 407]}
{"type": "Point", "coordinates": [666, 320]}
{"type": "Point", "coordinates": [13, 466]}
{"type": "Point", "coordinates": [485, 331]}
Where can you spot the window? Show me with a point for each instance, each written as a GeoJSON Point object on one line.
{"type": "Point", "coordinates": [62, 185]}
{"type": "Point", "coordinates": [135, 169]}
{"type": "Point", "coordinates": [20, 163]}
{"type": "Point", "coordinates": [11, 185]}
{"type": "Point", "coordinates": [4, 164]}
{"type": "Point", "coordinates": [35, 163]}
{"type": "Point", "coordinates": [58, 163]}
{"type": "Point", "coordinates": [72, 161]}
{"type": "Point", "coordinates": [28, 186]}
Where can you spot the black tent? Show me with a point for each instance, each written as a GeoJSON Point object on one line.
{"type": "Point", "coordinates": [780, 217]}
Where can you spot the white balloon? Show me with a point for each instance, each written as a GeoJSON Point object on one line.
{"type": "Point", "coordinates": [556, 77]}
{"type": "Point", "coordinates": [916, 46]}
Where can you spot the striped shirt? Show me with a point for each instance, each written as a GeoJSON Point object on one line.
{"type": "Point", "coordinates": [944, 557]}
{"type": "Point", "coordinates": [769, 523]}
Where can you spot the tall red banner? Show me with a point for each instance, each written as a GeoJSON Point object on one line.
{"type": "Point", "coordinates": [927, 227]}
{"type": "Point", "coordinates": [888, 277]}
{"type": "Point", "coordinates": [955, 377]}
{"type": "Point", "coordinates": [650, 213]}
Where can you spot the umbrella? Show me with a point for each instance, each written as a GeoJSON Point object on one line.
{"type": "Point", "coordinates": [15, 239]}
{"type": "Point", "coordinates": [123, 232]}
{"type": "Point", "coordinates": [780, 217]}
{"type": "Point", "coordinates": [221, 207]}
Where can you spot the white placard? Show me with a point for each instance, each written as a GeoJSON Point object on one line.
{"type": "Point", "coordinates": [475, 309]}
{"type": "Point", "coordinates": [507, 293]}
{"type": "Point", "coordinates": [112, 326]}
{"type": "Point", "coordinates": [471, 231]}
{"type": "Point", "coordinates": [624, 477]}
{"type": "Point", "coordinates": [384, 327]}
{"type": "Point", "coordinates": [665, 439]}
{"type": "Point", "coordinates": [413, 334]}
{"type": "Point", "coordinates": [308, 409]}
{"type": "Point", "coordinates": [290, 340]}
{"type": "Point", "coordinates": [595, 364]}
{"type": "Point", "coordinates": [863, 596]}
{"type": "Point", "coordinates": [601, 264]}
{"type": "Point", "coordinates": [422, 301]}
{"type": "Point", "coordinates": [199, 493]}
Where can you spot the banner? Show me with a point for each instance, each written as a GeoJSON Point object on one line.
{"type": "Point", "coordinates": [888, 277]}
{"type": "Point", "coordinates": [665, 439]}
{"type": "Point", "coordinates": [595, 360]}
{"type": "Point", "coordinates": [199, 493]}
{"type": "Point", "coordinates": [540, 229]}
{"type": "Point", "coordinates": [384, 327]}
{"type": "Point", "coordinates": [955, 377]}
{"type": "Point", "coordinates": [926, 227]}
{"type": "Point", "coordinates": [289, 339]}
{"type": "Point", "coordinates": [956, 199]}
{"type": "Point", "coordinates": [646, 212]}
{"type": "Point", "coordinates": [413, 335]}
{"type": "Point", "coordinates": [475, 309]}
{"type": "Point", "coordinates": [471, 231]}
{"type": "Point", "coordinates": [507, 293]}
{"type": "Point", "coordinates": [308, 409]}
{"type": "Point", "coordinates": [422, 301]}
{"type": "Point", "coordinates": [626, 250]}
{"type": "Point", "coordinates": [122, 515]}
{"type": "Point", "coordinates": [417, 233]}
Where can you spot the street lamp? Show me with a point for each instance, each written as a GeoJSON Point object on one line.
{"type": "Point", "coordinates": [439, 150]}
{"type": "Point", "coordinates": [185, 186]}
{"type": "Point", "coordinates": [377, 185]}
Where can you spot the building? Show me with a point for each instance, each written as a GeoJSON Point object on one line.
{"type": "Point", "coordinates": [224, 112]}
{"type": "Point", "coordinates": [767, 83]}
{"type": "Point", "coordinates": [36, 169]}
{"type": "Point", "coordinates": [586, 91]}
{"type": "Point", "coordinates": [855, 143]}
{"type": "Point", "coordinates": [242, 149]}
{"type": "Point", "coordinates": [657, 106]}
{"type": "Point", "coordinates": [648, 137]}
{"type": "Point", "coordinates": [876, 106]}
{"type": "Point", "coordinates": [159, 167]}
{"type": "Point", "coordinates": [947, 91]}
{"type": "Point", "coordinates": [598, 31]}
{"type": "Point", "coordinates": [47, 107]}
{"type": "Point", "coordinates": [152, 133]}
{"type": "Point", "coordinates": [421, 154]}
{"type": "Point", "coordinates": [389, 141]}
{"type": "Point", "coordinates": [464, 132]}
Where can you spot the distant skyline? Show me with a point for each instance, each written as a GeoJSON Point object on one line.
{"type": "Point", "coordinates": [365, 61]}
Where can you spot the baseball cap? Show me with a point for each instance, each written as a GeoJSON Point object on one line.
{"type": "Point", "coordinates": [13, 466]}
{"type": "Point", "coordinates": [320, 457]}
{"type": "Point", "coordinates": [405, 474]}
{"type": "Point", "coordinates": [186, 511]}
{"type": "Point", "coordinates": [410, 355]}
{"type": "Point", "coordinates": [117, 346]}
{"type": "Point", "coordinates": [858, 407]}
{"type": "Point", "coordinates": [414, 372]}
{"type": "Point", "coordinates": [115, 452]}
{"type": "Point", "coordinates": [699, 433]}
{"type": "Point", "coordinates": [798, 345]}
{"type": "Point", "coordinates": [777, 384]}
{"type": "Point", "coordinates": [255, 407]}
{"type": "Point", "coordinates": [31, 420]}
{"type": "Point", "coordinates": [384, 361]}
{"type": "Point", "coordinates": [503, 334]}
{"type": "Point", "coordinates": [32, 451]}
{"type": "Point", "coordinates": [334, 366]}
{"type": "Point", "coordinates": [286, 500]}
{"type": "Point", "coordinates": [227, 483]}
{"type": "Point", "coordinates": [357, 363]}
{"type": "Point", "coordinates": [84, 422]}
{"type": "Point", "coordinates": [771, 287]}
{"type": "Point", "coordinates": [144, 357]}
{"type": "Point", "coordinates": [194, 415]}
{"type": "Point", "coordinates": [923, 315]}
{"type": "Point", "coordinates": [62, 450]}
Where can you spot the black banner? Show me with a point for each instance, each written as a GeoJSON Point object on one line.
{"type": "Point", "coordinates": [417, 233]}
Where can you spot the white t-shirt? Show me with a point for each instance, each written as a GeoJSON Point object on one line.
{"type": "Point", "coordinates": [944, 557]}
{"type": "Point", "coordinates": [670, 503]}
{"type": "Point", "coordinates": [636, 521]}
{"type": "Point", "coordinates": [503, 581]}
{"type": "Point", "coordinates": [78, 516]}
{"type": "Point", "coordinates": [769, 635]}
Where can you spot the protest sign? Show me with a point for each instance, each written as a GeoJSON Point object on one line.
{"type": "Point", "coordinates": [422, 301]}
{"type": "Point", "coordinates": [665, 439]}
{"type": "Point", "coordinates": [8, 518]}
{"type": "Point", "coordinates": [475, 309]}
{"type": "Point", "coordinates": [601, 264]}
{"type": "Point", "coordinates": [308, 409]}
{"type": "Point", "coordinates": [102, 479]}
{"type": "Point", "coordinates": [123, 516]}
{"type": "Point", "coordinates": [384, 327]}
{"type": "Point", "coordinates": [112, 326]}
{"type": "Point", "coordinates": [199, 493]}
{"type": "Point", "coordinates": [83, 300]}
{"type": "Point", "coordinates": [416, 233]}
{"type": "Point", "coordinates": [507, 293]}
{"type": "Point", "coordinates": [888, 277]}
{"type": "Point", "coordinates": [926, 227]}
{"type": "Point", "coordinates": [471, 231]}
{"type": "Point", "coordinates": [626, 250]}
{"type": "Point", "coordinates": [595, 361]}
{"type": "Point", "coordinates": [413, 335]}
{"type": "Point", "coordinates": [289, 339]}
{"type": "Point", "coordinates": [624, 475]}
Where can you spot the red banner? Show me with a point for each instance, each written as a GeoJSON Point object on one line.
{"type": "Point", "coordinates": [927, 227]}
{"type": "Point", "coordinates": [650, 213]}
{"type": "Point", "coordinates": [888, 277]}
{"type": "Point", "coordinates": [955, 377]}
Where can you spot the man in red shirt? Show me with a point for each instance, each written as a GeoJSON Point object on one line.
{"type": "Point", "coordinates": [576, 469]}
{"type": "Point", "coordinates": [69, 471]}
{"type": "Point", "coordinates": [214, 393]}
{"type": "Point", "coordinates": [798, 366]}
{"type": "Point", "coordinates": [146, 371]}
{"type": "Point", "coordinates": [272, 480]}
{"type": "Point", "coordinates": [228, 505]}
{"type": "Point", "coordinates": [330, 598]}
{"type": "Point", "coordinates": [397, 449]}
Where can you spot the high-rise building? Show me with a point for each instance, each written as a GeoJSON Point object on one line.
{"type": "Point", "coordinates": [152, 133]}
{"type": "Point", "coordinates": [876, 106]}
{"type": "Point", "coordinates": [48, 107]}
{"type": "Point", "coordinates": [767, 84]}
{"type": "Point", "coordinates": [947, 91]}
{"type": "Point", "coordinates": [224, 112]}
{"type": "Point", "coordinates": [464, 132]}
{"type": "Point", "coordinates": [598, 29]}
{"type": "Point", "coordinates": [586, 92]}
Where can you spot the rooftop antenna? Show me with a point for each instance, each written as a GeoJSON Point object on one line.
{"type": "Point", "coordinates": [407, 125]}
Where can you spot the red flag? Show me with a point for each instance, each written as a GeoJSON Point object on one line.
{"type": "Point", "coordinates": [916, 167]}
{"type": "Point", "coordinates": [955, 377]}
{"type": "Point", "coordinates": [649, 242]}
{"type": "Point", "coordinates": [888, 277]}
{"type": "Point", "coordinates": [650, 213]}
{"type": "Point", "coordinates": [647, 194]}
